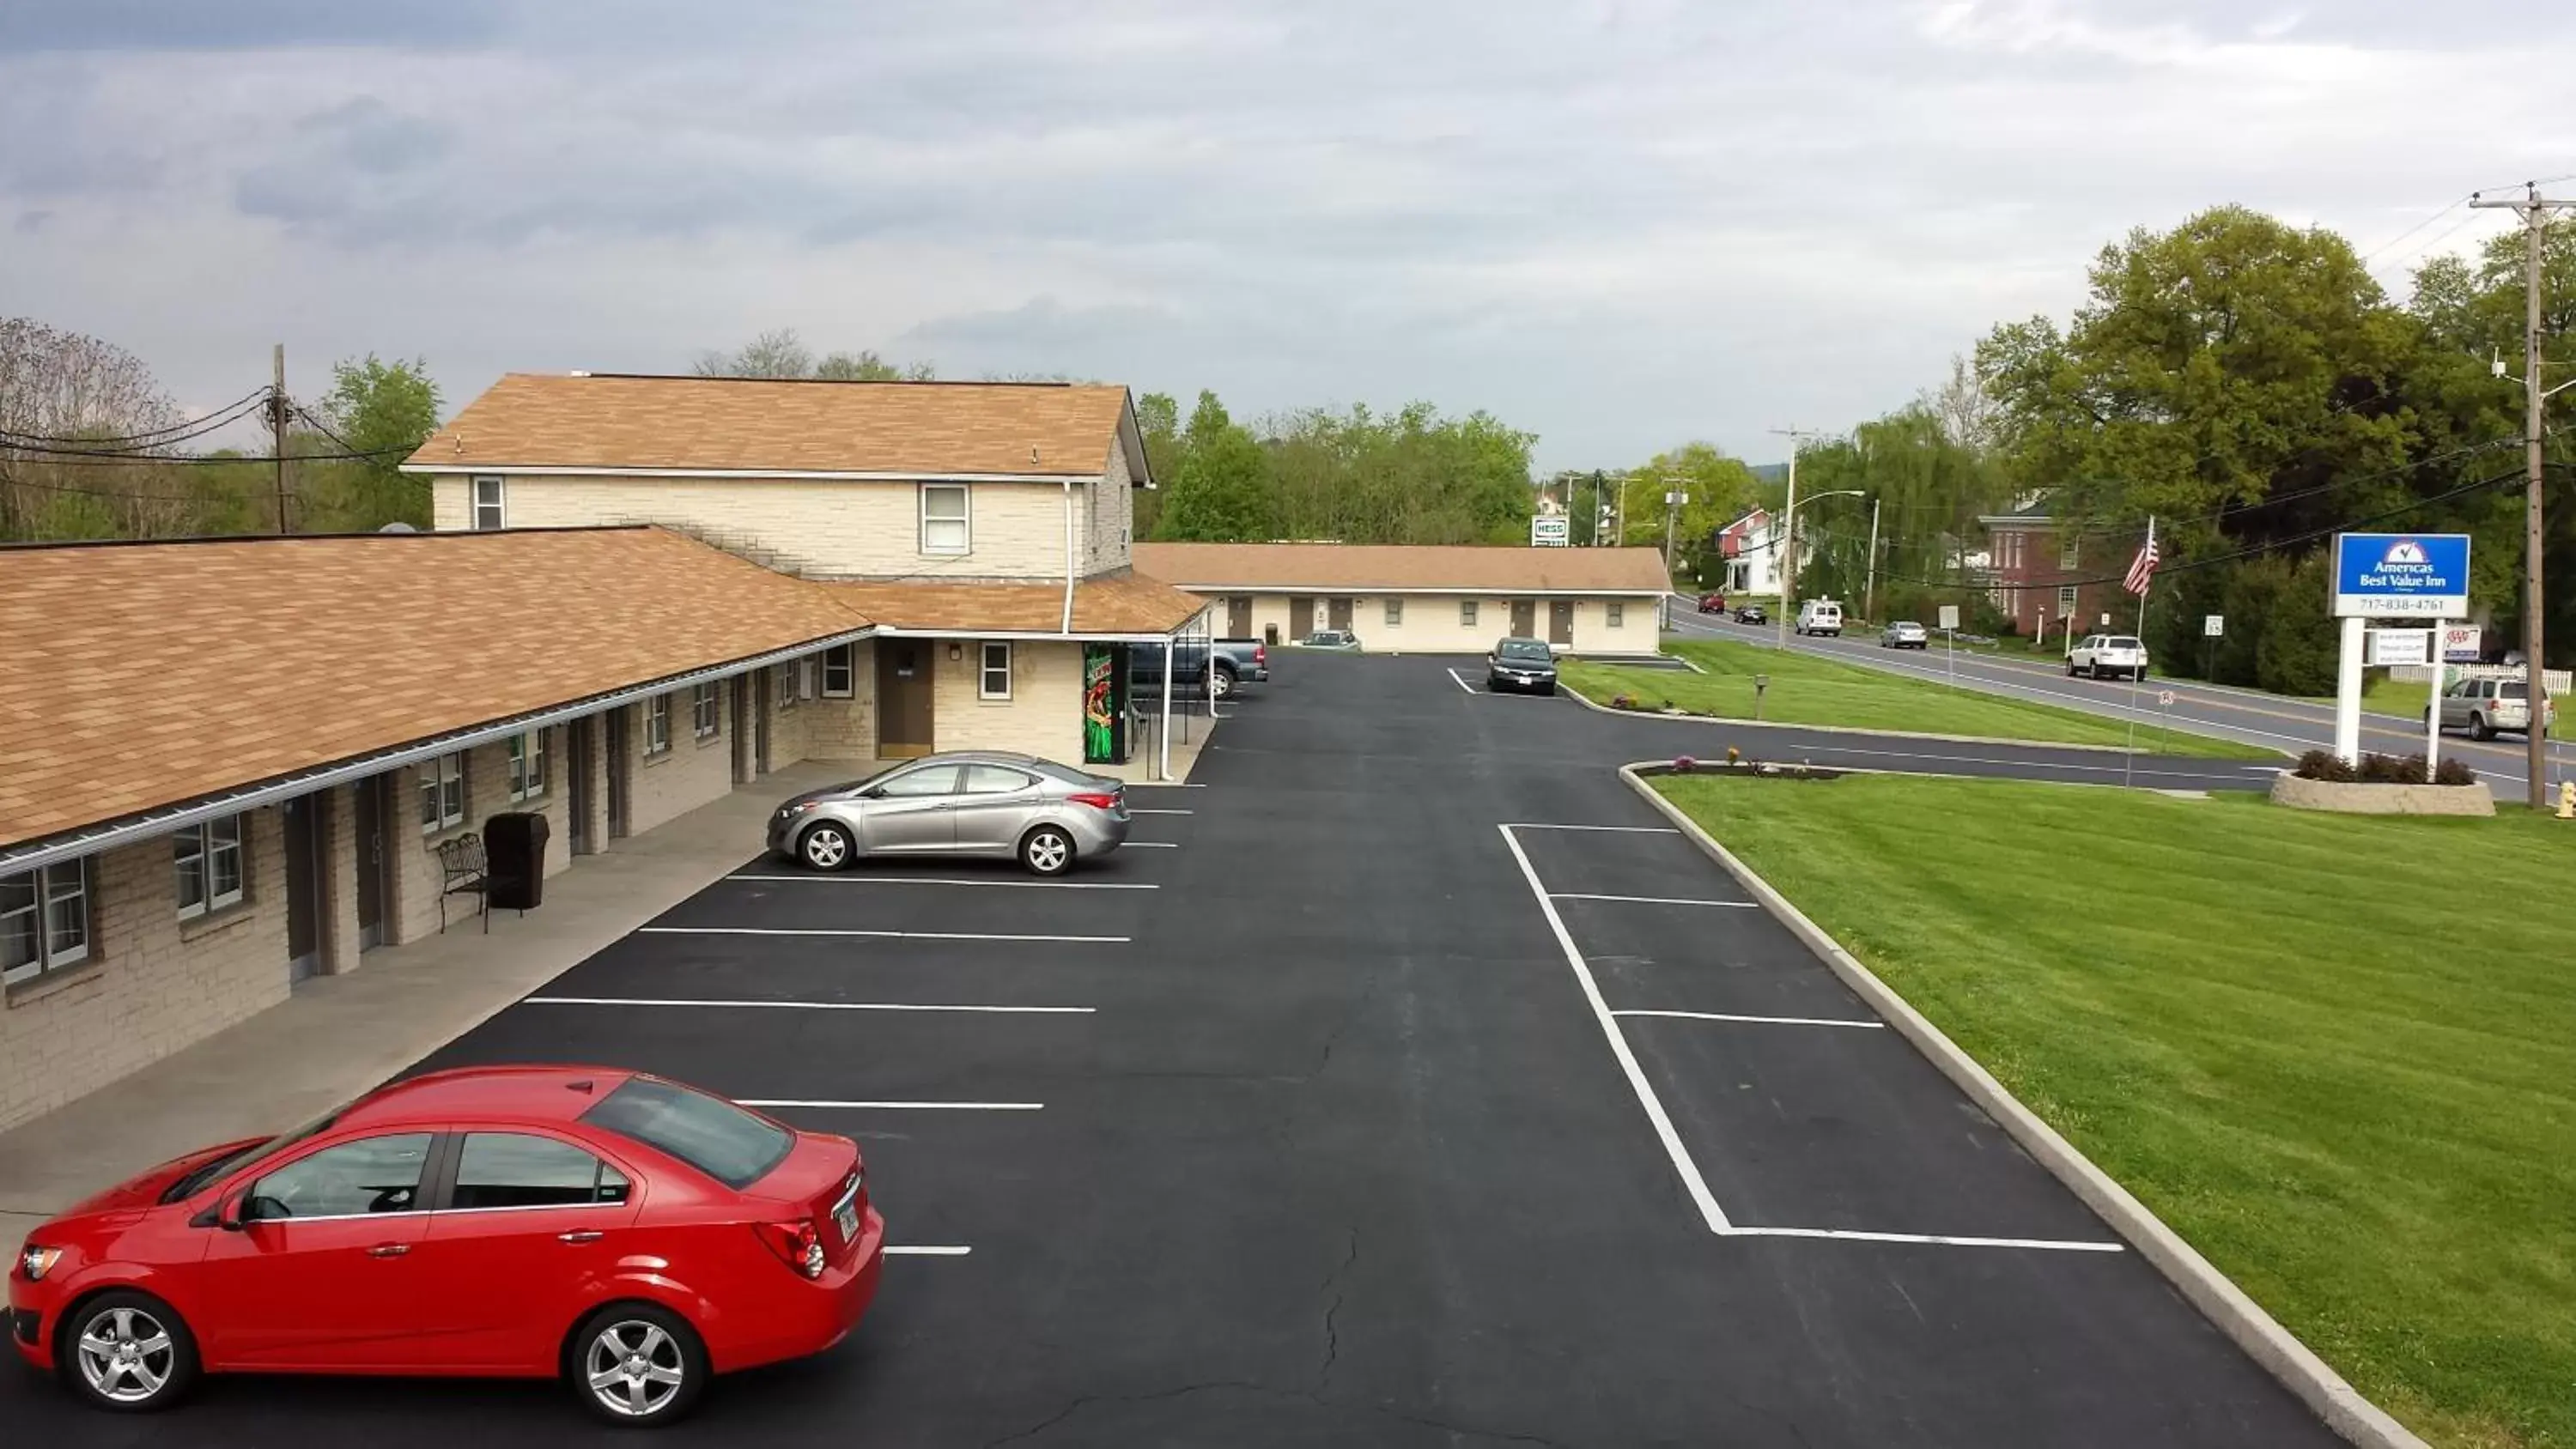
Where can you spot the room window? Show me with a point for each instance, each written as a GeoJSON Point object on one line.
{"type": "Point", "coordinates": [487, 503]}
{"type": "Point", "coordinates": [1395, 613]}
{"type": "Point", "coordinates": [2066, 602]}
{"type": "Point", "coordinates": [840, 667]}
{"type": "Point", "coordinates": [528, 765]}
{"type": "Point", "coordinates": [1615, 613]}
{"type": "Point", "coordinates": [442, 793]}
{"type": "Point", "coordinates": [782, 684]}
{"type": "Point", "coordinates": [705, 716]}
{"type": "Point", "coordinates": [208, 859]}
{"type": "Point", "coordinates": [993, 678]}
{"type": "Point", "coordinates": [44, 920]}
{"type": "Point", "coordinates": [943, 518]}
{"type": "Point", "coordinates": [1466, 613]}
{"type": "Point", "coordinates": [657, 725]}
{"type": "Point", "coordinates": [2066, 554]}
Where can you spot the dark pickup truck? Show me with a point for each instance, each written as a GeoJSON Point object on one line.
{"type": "Point", "coordinates": [1238, 662]}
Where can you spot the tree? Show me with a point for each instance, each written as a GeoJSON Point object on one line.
{"type": "Point", "coordinates": [868, 367]}
{"type": "Point", "coordinates": [1158, 422]}
{"type": "Point", "coordinates": [1218, 494]}
{"type": "Point", "coordinates": [780, 353]}
{"type": "Point", "coordinates": [64, 396]}
{"type": "Point", "coordinates": [384, 410]}
{"type": "Point", "coordinates": [1720, 489]}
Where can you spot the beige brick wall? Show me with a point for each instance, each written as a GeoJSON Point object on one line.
{"type": "Point", "coordinates": [153, 983]}
{"type": "Point", "coordinates": [414, 876]}
{"type": "Point", "coordinates": [845, 729]}
{"type": "Point", "coordinates": [1043, 716]}
{"type": "Point", "coordinates": [823, 529]}
{"type": "Point", "coordinates": [1432, 623]}
{"type": "Point", "coordinates": [1108, 516]}
{"type": "Point", "coordinates": [690, 774]}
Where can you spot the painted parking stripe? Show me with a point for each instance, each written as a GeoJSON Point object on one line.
{"type": "Point", "coordinates": [1646, 1098]}
{"type": "Point", "coordinates": [878, 935]}
{"type": "Point", "coordinates": [1152, 845]}
{"type": "Point", "coordinates": [1649, 900]}
{"type": "Point", "coordinates": [1133, 810]}
{"type": "Point", "coordinates": [1756, 1020]}
{"type": "Point", "coordinates": [1610, 829]}
{"type": "Point", "coordinates": [2060, 1245]}
{"type": "Point", "coordinates": [807, 1005]}
{"type": "Point", "coordinates": [1462, 681]}
{"type": "Point", "coordinates": [891, 1106]}
{"type": "Point", "coordinates": [928, 1250]}
{"type": "Point", "coordinates": [1031, 885]}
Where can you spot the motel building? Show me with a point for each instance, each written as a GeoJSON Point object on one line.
{"type": "Point", "coordinates": [230, 764]}
{"type": "Point", "coordinates": [1423, 599]}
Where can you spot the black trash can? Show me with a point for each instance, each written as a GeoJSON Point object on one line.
{"type": "Point", "coordinates": [515, 846]}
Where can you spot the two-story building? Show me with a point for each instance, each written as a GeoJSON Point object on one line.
{"type": "Point", "coordinates": [2035, 572]}
{"type": "Point", "coordinates": [1750, 547]}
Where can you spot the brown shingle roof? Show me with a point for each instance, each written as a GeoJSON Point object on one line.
{"type": "Point", "coordinates": [1110, 604]}
{"type": "Point", "coordinates": [1363, 567]}
{"type": "Point", "coordinates": [143, 675]}
{"type": "Point", "coordinates": [615, 423]}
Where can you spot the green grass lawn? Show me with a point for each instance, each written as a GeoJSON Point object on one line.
{"type": "Point", "coordinates": [2310, 1043]}
{"type": "Point", "coordinates": [1805, 689]}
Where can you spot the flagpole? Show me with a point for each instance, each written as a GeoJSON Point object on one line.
{"type": "Point", "coordinates": [2140, 672]}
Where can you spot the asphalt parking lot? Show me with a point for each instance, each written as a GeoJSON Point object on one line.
{"type": "Point", "coordinates": [1377, 1108]}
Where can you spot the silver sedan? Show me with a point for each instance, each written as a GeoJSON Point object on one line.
{"type": "Point", "coordinates": [976, 802]}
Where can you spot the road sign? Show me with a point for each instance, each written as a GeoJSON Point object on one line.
{"type": "Point", "coordinates": [2213, 625]}
{"type": "Point", "coordinates": [2400, 646]}
{"type": "Point", "coordinates": [2164, 698]}
{"type": "Point", "coordinates": [1549, 530]}
{"type": "Point", "coordinates": [2460, 643]}
{"type": "Point", "coordinates": [1949, 616]}
{"type": "Point", "coordinates": [2397, 574]}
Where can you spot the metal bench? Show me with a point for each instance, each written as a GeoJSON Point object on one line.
{"type": "Point", "coordinates": [464, 869]}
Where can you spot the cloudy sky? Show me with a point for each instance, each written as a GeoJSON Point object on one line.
{"type": "Point", "coordinates": [1620, 224]}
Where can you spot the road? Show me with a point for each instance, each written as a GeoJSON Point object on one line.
{"type": "Point", "coordinates": [1423, 1088]}
{"type": "Point", "coordinates": [2270, 721]}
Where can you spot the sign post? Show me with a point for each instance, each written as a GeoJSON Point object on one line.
{"type": "Point", "coordinates": [2389, 575]}
{"type": "Point", "coordinates": [2213, 627]}
{"type": "Point", "coordinates": [1950, 632]}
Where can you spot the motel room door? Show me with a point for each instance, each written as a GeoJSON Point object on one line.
{"type": "Point", "coordinates": [1238, 617]}
{"type": "Point", "coordinates": [369, 828]}
{"type": "Point", "coordinates": [302, 819]}
{"type": "Point", "coordinates": [1301, 617]}
{"type": "Point", "coordinates": [1560, 621]}
{"type": "Point", "coordinates": [903, 698]}
{"type": "Point", "coordinates": [1524, 618]}
{"type": "Point", "coordinates": [1339, 612]}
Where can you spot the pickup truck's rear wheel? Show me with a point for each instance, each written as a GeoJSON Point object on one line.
{"type": "Point", "coordinates": [1225, 684]}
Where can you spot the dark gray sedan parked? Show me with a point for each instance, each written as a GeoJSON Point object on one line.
{"type": "Point", "coordinates": [970, 802]}
{"type": "Point", "coordinates": [1521, 664]}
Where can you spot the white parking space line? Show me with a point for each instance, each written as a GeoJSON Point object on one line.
{"type": "Point", "coordinates": [806, 1005]}
{"type": "Point", "coordinates": [1757, 1020]}
{"type": "Point", "coordinates": [927, 1250]}
{"type": "Point", "coordinates": [1163, 785]}
{"type": "Point", "coordinates": [2061, 1245]}
{"type": "Point", "coordinates": [1612, 829]}
{"type": "Point", "coordinates": [1646, 1098]}
{"type": "Point", "coordinates": [878, 935]}
{"type": "Point", "coordinates": [1132, 810]}
{"type": "Point", "coordinates": [1025, 885]}
{"type": "Point", "coordinates": [1151, 845]}
{"type": "Point", "coordinates": [1462, 682]}
{"type": "Point", "coordinates": [892, 1106]}
{"type": "Point", "coordinates": [1648, 900]}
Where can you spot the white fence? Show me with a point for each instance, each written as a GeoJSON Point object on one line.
{"type": "Point", "coordinates": [2561, 682]}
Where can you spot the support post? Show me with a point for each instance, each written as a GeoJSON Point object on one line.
{"type": "Point", "coordinates": [2348, 692]}
{"type": "Point", "coordinates": [2433, 708]}
{"type": "Point", "coordinates": [1869, 587]}
{"type": "Point", "coordinates": [1163, 743]}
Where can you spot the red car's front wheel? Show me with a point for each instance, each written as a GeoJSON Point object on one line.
{"type": "Point", "coordinates": [128, 1352]}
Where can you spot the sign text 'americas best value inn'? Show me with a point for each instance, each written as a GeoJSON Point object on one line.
{"type": "Point", "coordinates": [2424, 575]}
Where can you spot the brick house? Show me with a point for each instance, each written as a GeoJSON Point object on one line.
{"type": "Point", "coordinates": [1424, 598]}
{"type": "Point", "coordinates": [2033, 575]}
{"type": "Point", "coordinates": [228, 764]}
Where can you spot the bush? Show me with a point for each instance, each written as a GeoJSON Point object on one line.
{"type": "Point", "coordinates": [2323, 765]}
{"type": "Point", "coordinates": [1623, 701]}
{"type": "Point", "coordinates": [2452, 772]}
{"type": "Point", "coordinates": [2381, 770]}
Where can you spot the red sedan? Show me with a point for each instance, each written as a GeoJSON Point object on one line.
{"type": "Point", "coordinates": [1712, 603]}
{"type": "Point", "coordinates": [629, 1234]}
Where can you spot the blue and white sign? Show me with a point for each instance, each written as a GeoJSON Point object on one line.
{"type": "Point", "coordinates": [2421, 575]}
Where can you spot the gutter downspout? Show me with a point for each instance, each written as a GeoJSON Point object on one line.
{"type": "Point", "coordinates": [1068, 555]}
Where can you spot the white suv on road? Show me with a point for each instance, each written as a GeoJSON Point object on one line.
{"type": "Point", "coordinates": [2107, 656]}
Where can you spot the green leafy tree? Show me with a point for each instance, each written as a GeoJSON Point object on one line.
{"type": "Point", "coordinates": [780, 353]}
{"type": "Point", "coordinates": [383, 410]}
{"type": "Point", "coordinates": [1218, 493]}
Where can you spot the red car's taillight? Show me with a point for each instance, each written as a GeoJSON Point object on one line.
{"type": "Point", "coordinates": [1096, 802]}
{"type": "Point", "coordinates": [796, 1244]}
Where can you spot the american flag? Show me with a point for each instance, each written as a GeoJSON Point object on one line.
{"type": "Point", "coordinates": [2142, 569]}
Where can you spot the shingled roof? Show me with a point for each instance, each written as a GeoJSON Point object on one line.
{"type": "Point", "coordinates": [617, 423]}
{"type": "Point", "coordinates": [1398, 568]}
{"type": "Point", "coordinates": [1109, 604]}
{"type": "Point", "coordinates": [143, 675]}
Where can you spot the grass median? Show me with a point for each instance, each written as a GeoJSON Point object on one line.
{"type": "Point", "coordinates": [1807, 689]}
{"type": "Point", "coordinates": [2310, 1043]}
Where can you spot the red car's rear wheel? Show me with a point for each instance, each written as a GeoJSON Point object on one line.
{"type": "Point", "coordinates": [637, 1364]}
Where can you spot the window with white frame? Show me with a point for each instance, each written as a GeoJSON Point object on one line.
{"type": "Point", "coordinates": [1395, 613]}
{"type": "Point", "coordinates": [782, 684]}
{"type": "Point", "coordinates": [2068, 551]}
{"type": "Point", "coordinates": [705, 714]}
{"type": "Point", "coordinates": [840, 668]}
{"type": "Point", "coordinates": [657, 725]}
{"type": "Point", "coordinates": [1466, 613]}
{"type": "Point", "coordinates": [528, 765]}
{"type": "Point", "coordinates": [44, 920]}
{"type": "Point", "coordinates": [993, 679]}
{"type": "Point", "coordinates": [208, 860]}
{"type": "Point", "coordinates": [2066, 602]}
{"type": "Point", "coordinates": [487, 503]}
{"type": "Point", "coordinates": [442, 793]}
{"type": "Point", "coordinates": [944, 524]}
{"type": "Point", "coordinates": [1615, 613]}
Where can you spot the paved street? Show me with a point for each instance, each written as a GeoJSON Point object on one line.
{"type": "Point", "coordinates": [1324, 1119]}
{"type": "Point", "coordinates": [2270, 721]}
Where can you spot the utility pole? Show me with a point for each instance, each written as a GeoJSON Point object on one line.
{"type": "Point", "coordinates": [277, 429]}
{"type": "Point", "coordinates": [1789, 540]}
{"type": "Point", "coordinates": [2535, 210]}
{"type": "Point", "coordinates": [1673, 499]}
{"type": "Point", "coordinates": [1869, 589]}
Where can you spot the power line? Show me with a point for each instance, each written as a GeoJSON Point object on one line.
{"type": "Point", "coordinates": [232, 407]}
{"type": "Point", "coordinates": [79, 458]}
{"type": "Point", "coordinates": [96, 448]}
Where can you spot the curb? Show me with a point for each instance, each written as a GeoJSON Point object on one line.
{"type": "Point", "coordinates": [1763, 724]}
{"type": "Point", "coordinates": [2226, 1306]}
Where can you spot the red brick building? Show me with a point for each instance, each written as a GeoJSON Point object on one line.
{"type": "Point", "coordinates": [2034, 575]}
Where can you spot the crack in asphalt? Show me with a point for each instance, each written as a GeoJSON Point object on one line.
{"type": "Point", "coordinates": [1332, 1333]}
{"type": "Point", "coordinates": [1084, 1401]}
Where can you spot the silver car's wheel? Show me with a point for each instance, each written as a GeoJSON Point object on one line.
{"type": "Point", "coordinates": [128, 1351]}
{"type": "Point", "coordinates": [826, 847]}
{"type": "Point", "coordinates": [639, 1365]}
{"type": "Point", "coordinates": [1047, 850]}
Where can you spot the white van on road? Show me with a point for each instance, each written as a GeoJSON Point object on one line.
{"type": "Point", "coordinates": [1820, 616]}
